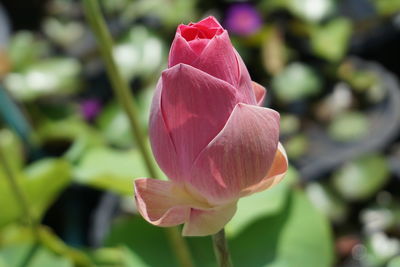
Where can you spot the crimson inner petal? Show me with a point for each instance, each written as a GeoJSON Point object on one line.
{"type": "Point", "coordinates": [193, 31]}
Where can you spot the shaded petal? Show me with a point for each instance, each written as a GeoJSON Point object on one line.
{"type": "Point", "coordinates": [196, 107]}
{"type": "Point", "coordinates": [259, 92]}
{"type": "Point", "coordinates": [208, 222]}
{"type": "Point", "coordinates": [275, 174]}
{"type": "Point", "coordinates": [181, 52]}
{"type": "Point", "coordinates": [239, 156]}
{"type": "Point", "coordinates": [163, 203]}
{"type": "Point", "coordinates": [161, 143]}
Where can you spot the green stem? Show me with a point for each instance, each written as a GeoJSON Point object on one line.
{"type": "Point", "coordinates": [19, 194]}
{"type": "Point", "coordinates": [221, 249]}
{"type": "Point", "coordinates": [125, 97]}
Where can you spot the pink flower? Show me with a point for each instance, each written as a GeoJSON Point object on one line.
{"type": "Point", "coordinates": [208, 134]}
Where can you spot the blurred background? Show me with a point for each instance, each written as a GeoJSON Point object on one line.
{"type": "Point", "coordinates": [331, 68]}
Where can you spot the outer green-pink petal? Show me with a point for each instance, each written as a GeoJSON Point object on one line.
{"type": "Point", "coordinates": [163, 203]}
{"type": "Point", "coordinates": [240, 156]}
{"type": "Point", "coordinates": [210, 221]}
{"type": "Point", "coordinates": [274, 176]}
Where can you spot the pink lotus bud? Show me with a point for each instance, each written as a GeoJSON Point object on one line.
{"type": "Point", "coordinates": [208, 134]}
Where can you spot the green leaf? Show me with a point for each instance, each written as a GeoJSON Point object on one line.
{"type": "Point", "coordinates": [53, 76]}
{"type": "Point", "coordinates": [261, 204]}
{"type": "Point", "coordinates": [32, 256]}
{"type": "Point", "coordinates": [41, 183]}
{"type": "Point", "coordinates": [111, 169]}
{"type": "Point", "coordinates": [140, 53]}
{"type": "Point", "coordinates": [25, 49]}
{"type": "Point", "coordinates": [114, 125]}
{"type": "Point", "coordinates": [297, 81]}
{"type": "Point", "coordinates": [311, 10]}
{"type": "Point", "coordinates": [298, 236]}
{"type": "Point", "coordinates": [348, 126]}
{"type": "Point", "coordinates": [331, 41]}
{"type": "Point", "coordinates": [362, 178]}
{"type": "Point", "coordinates": [12, 147]}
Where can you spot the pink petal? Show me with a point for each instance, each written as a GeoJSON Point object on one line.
{"type": "Point", "coordinates": [240, 156]}
{"type": "Point", "coordinates": [196, 107]}
{"type": "Point", "coordinates": [219, 59]}
{"type": "Point", "coordinates": [208, 222]}
{"type": "Point", "coordinates": [245, 84]}
{"type": "Point", "coordinates": [181, 52]}
{"type": "Point", "coordinates": [161, 143]}
{"type": "Point", "coordinates": [275, 174]}
{"type": "Point", "coordinates": [259, 92]}
{"type": "Point", "coordinates": [163, 203]}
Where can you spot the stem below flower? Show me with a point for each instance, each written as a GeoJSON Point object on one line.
{"type": "Point", "coordinates": [125, 97]}
{"type": "Point", "coordinates": [221, 249]}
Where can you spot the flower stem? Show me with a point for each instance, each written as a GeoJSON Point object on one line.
{"type": "Point", "coordinates": [126, 99]}
{"type": "Point", "coordinates": [221, 249]}
{"type": "Point", "coordinates": [19, 194]}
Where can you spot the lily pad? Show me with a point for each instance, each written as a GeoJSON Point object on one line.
{"type": "Point", "coordinates": [296, 82]}
{"type": "Point", "coordinates": [362, 178]}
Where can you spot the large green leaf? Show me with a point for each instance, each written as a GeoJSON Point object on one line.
{"type": "Point", "coordinates": [29, 255]}
{"type": "Point", "coordinates": [261, 204]}
{"type": "Point", "coordinates": [297, 236]}
{"type": "Point", "coordinates": [41, 183]}
{"type": "Point", "coordinates": [111, 169]}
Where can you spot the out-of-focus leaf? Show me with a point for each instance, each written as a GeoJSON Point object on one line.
{"type": "Point", "coordinates": [140, 53]}
{"type": "Point", "coordinates": [12, 148]}
{"type": "Point", "coordinates": [28, 255]}
{"type": "Point", "coordinates": [296, 146]}
{"type": "Point", "coordinates": [111, 169]}
{"type": "Point", "coordinates": [53, 76]}
{"type": "Point", "coordinates": [326, 202]}
{"type": "Point", "coordinates": [360, 80]}
{"type": "Point", "coordinates": [114, 125]}
{"type": "Point", "coordinates": [72, 129]}
{"type": "Point", "coordinates": [63, 33]}
{"type": "Point", "coordinates": [273, 51]}
{"type": "Point", "coordinates": [41, 182]}
{"type": "Point", "coordinates": [297, 81]}
{"type": "Point", "coordinates": [387, 7]}
{"type": "Point", "coordinates": [261, 204]}
{"type": "Point", "coordinates": [395, 262]}
{"type": "Point", "coordinates": [330, 41]}
{"type": "Point", "coordinates": [24, 49]}
{"type": "Point", "coordinates": [361, 178]}
{"type": "Point", "coordinates": [118, 256]}
{"type": "Point", "coordinates": [348, 126]}
{"type": "Point", "coordinates": [380, 249]}
{"type": "Point", "coordinates": [16, 235]}
{"type": "Point", "coordinates": [175, 12]}
{"type": "Point", "coordinates": [297, 236]}
{"type": "Point", "coordinates": [311, 10]}
{"type": "Point", "coordinates": [289, 124]}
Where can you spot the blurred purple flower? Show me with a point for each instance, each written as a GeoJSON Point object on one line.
{"type": "Point", "coordinates": [90, 108]}
{"type": "Point", "coordinates": [242, 19]}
